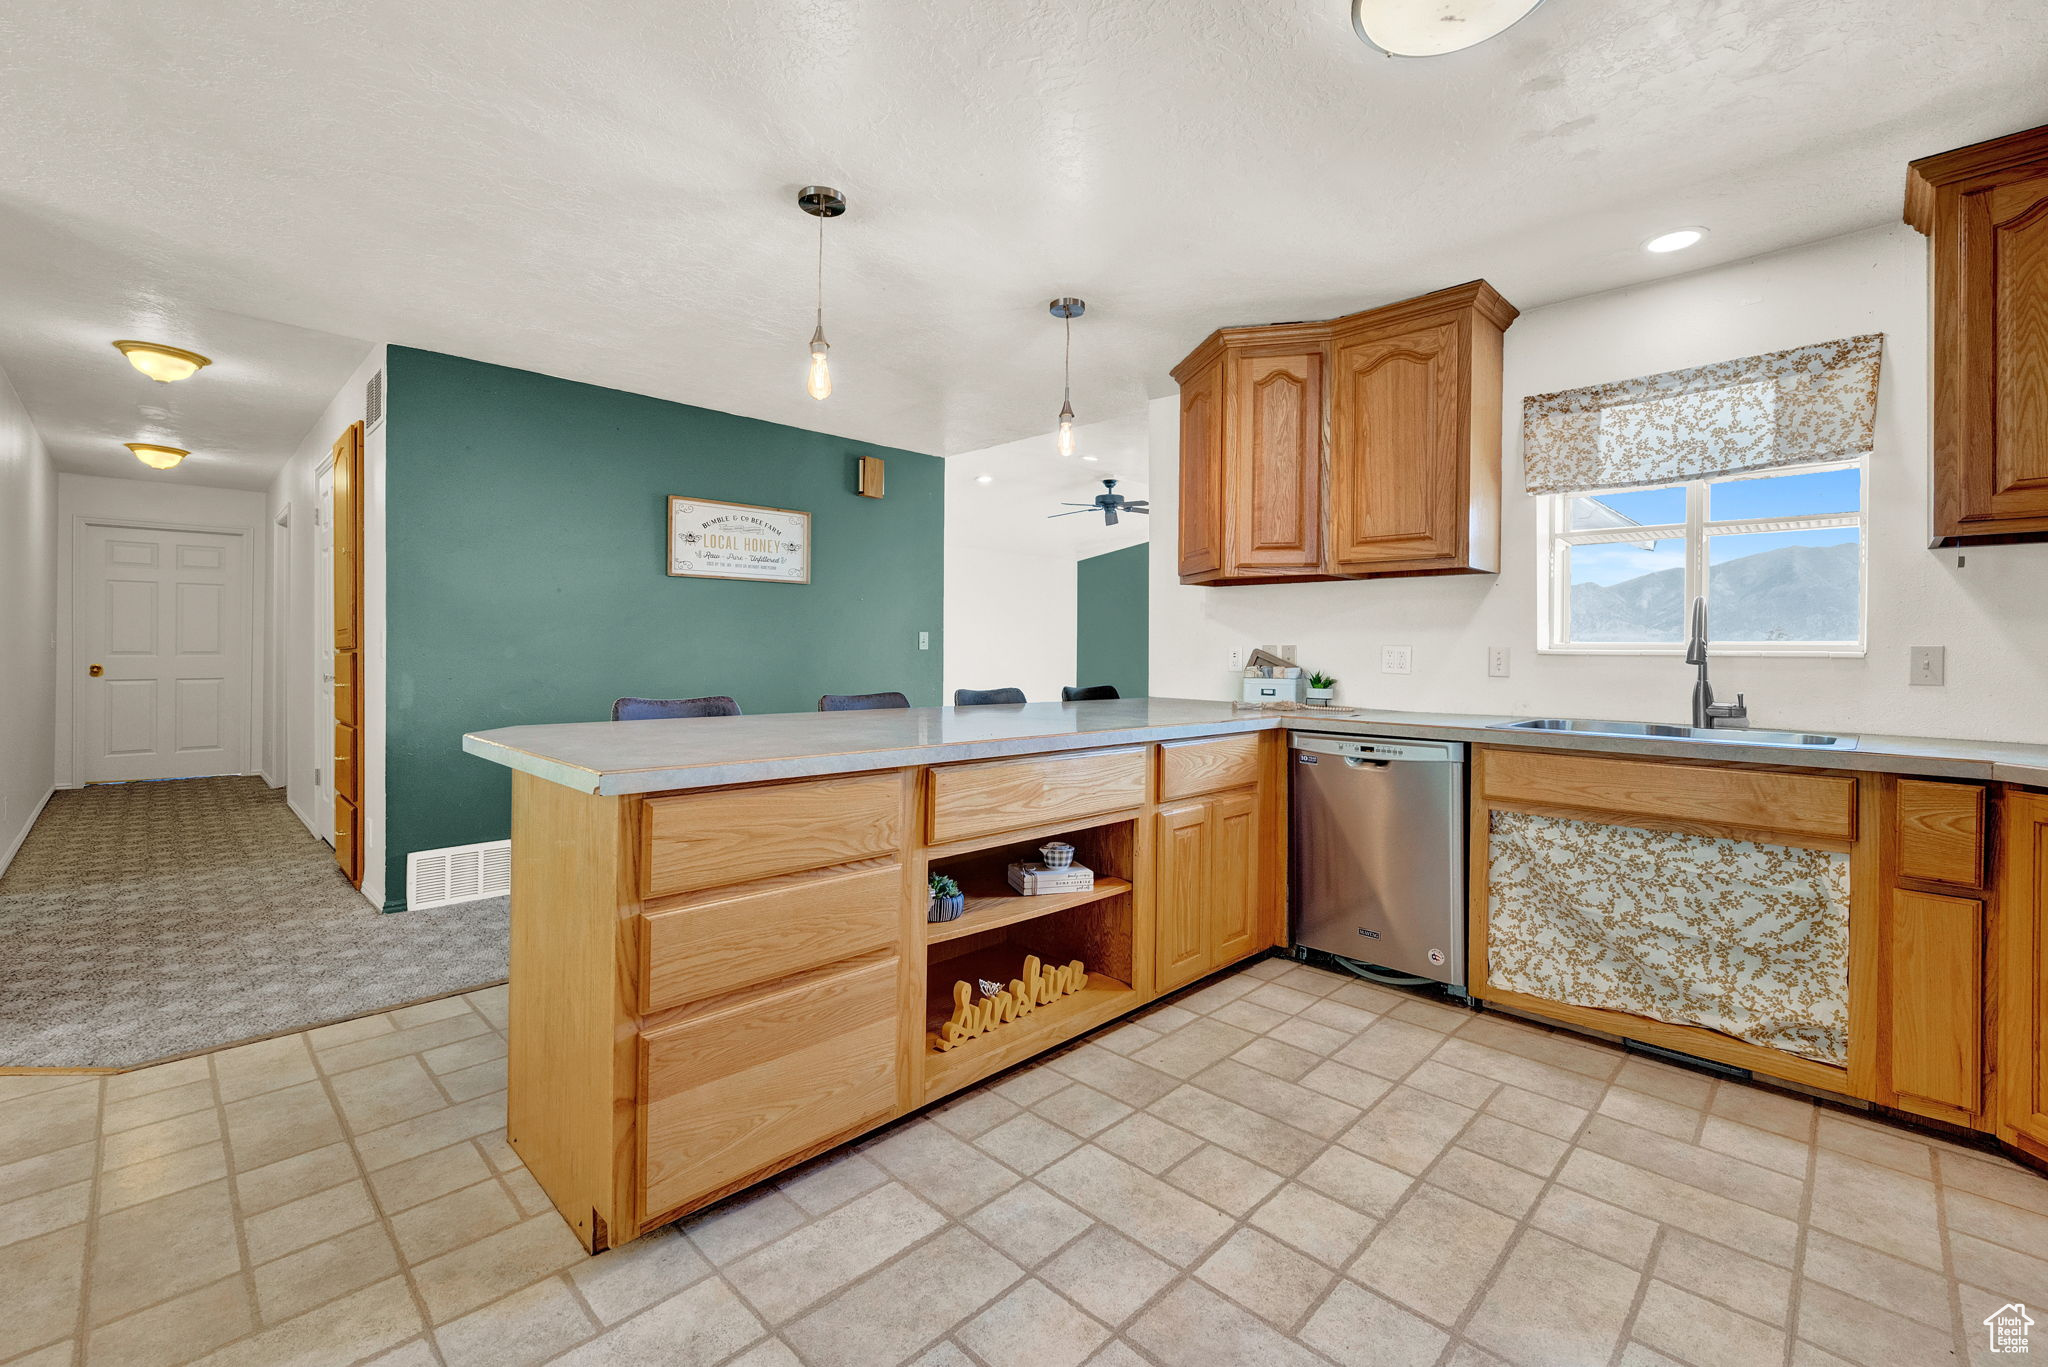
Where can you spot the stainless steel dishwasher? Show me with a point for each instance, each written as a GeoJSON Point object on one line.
{"type": "Point", "coordinates": [1378, 862]}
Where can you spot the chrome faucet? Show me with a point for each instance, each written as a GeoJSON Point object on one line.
{"type": "Point", "coordinates": [1706, 713]}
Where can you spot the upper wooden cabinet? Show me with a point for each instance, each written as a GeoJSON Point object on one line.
{"type": "Point", "coordinates": [1365, 445]}
{"type": "Point", "coordinates": [1986, 209]}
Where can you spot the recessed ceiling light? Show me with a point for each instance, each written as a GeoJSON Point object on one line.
{"type": "Point", "coordinates": [156, 457]}
{"type": "Point", "coordinates": [984, 479]}
{"type": "Point", "coordinates": [1677, 240]}
{"type": "Point", "coordinates": [1091, 458]}
{"type": "Point", "coordinates": [162, 363]}
{"type": "Point", "coordinates": [1431, 28]}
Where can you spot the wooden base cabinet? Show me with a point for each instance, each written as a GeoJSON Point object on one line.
{"type": "Point", "coordinates": [1985, 210]}
{"type": "Point", "coordinates": [1365, 446]}
{"type": "Point", "coordinates": [709, 987]}
{"type": "Point", "coordinates": [2022, 983]}
{"type": "Point", "coordinates": [1208, 886]}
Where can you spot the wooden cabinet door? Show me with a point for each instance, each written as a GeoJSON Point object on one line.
{"type": "Point", "coordinates": [741, 1088]}
{"type": "Point", "coordinates": [1397, 458]}
{"type": "Point", "coordinates": [1934, 964]}
{"type": "Point", "coordinates": [2022, 991]}
{"type": "Point", "coordinates": [1274, 479]}
{"type": "Point", "coordinates": [1182, 886]}
{"type": "Point", "coordinates": [1233, 877]}
{"type": "Point", "coordinates": [1201, 472]}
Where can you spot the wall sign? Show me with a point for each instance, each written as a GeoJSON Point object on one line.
{"type": "Point", "coordinates": [712, 540]}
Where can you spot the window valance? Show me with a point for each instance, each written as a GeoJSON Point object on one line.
{"type": "Point", "coordinates": [1798, 407]}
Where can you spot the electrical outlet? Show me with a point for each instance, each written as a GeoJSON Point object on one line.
{"type": "Point", "coordinates": [1397, 659]}
{"type": "Point", "coordinates": [1287, 653]}
{"type": "Point", "coordinates": [1929, 667]}
{"type": "Point", "coordinates": [1497, 662]}
{"type": "Point", "coordinates": [924, 640]}
{"type": "Point", "coordinates": [1237, 657]}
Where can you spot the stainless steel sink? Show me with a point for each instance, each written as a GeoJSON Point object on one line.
{"type": "Point", "coordinates": [1798, 740]}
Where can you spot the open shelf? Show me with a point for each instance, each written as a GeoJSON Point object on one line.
{"type": "Point", "coordinates": [991, 902]}
{"type": "Point", "coordinates": [1102, 999]}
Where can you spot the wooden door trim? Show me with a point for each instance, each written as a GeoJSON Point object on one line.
{"type": "Point", "coordinates": [345, 558]}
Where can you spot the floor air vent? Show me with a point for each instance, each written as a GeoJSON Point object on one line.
{"type": "Point", "coordinates": [459, 873]}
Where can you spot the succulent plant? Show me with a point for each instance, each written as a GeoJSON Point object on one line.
{"type": "Point", "coordinates": [942, 886]}
{"type": "Point", "coordinates": [1318, 679]}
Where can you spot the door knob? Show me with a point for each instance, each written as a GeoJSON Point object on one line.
{"type": "Point", "coordinates": [95, 670]}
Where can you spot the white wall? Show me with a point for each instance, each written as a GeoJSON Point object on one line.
{"type": "Point", "coordinates": [28, 610]}
{"type": "Point", "coordinates": [294, 715]}
{"type": "Point", "coordinates": [146, 502]}
{"type": "Point", "coordinates": [1991, 615]}
{"type": "Point", "coordinates": [1009, 610]}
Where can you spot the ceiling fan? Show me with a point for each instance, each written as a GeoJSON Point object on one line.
{"type": "Point", "coordinates": [1109, 505]}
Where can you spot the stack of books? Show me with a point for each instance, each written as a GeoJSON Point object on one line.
{"type": "Point", "coordinates": [1032, 879]}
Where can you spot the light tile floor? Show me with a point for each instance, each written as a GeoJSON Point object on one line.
{"type": "Point", "coordinates": [1283, 1167]}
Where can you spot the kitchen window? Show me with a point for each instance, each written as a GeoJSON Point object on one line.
{"type": "Point", "coordinates": [1778, 555]}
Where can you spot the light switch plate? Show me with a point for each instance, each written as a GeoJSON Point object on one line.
{"type": "Point", "coordinates": [1497, 662]}
{"type": "Point", "coordinates": [1397, 659]}
{"type": "Point", "coordinates": [1929, 667]}
{"type": "Point", "coordinates": [924, 640]}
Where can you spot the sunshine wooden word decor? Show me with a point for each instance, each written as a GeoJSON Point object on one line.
{"type": "Point", "coordinates": [1038, 986]}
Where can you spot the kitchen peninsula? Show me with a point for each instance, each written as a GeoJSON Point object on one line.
{"type": "Point", "coordinates": [721, 964]}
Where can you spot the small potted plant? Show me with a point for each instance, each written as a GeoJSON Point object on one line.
{"type": "Point", "coordinates": [947, 900]}
{"type": "Point", "coordinates": [1321, 688]}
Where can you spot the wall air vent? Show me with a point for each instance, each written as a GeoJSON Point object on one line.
{"type": "Point", "coordinates": [373, 401]}
{"type": "Point", "coordinates": [459, 873]}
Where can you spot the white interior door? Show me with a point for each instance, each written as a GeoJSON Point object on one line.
{"type": "Point", "coordinates": [163, 616]}
{"type": "Point", "coordinates": [323, 656]}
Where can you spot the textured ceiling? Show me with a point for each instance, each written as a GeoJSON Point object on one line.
{"type": "Point", "coordinates": [606, 192]}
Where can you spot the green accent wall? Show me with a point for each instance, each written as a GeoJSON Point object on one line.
{"type": "Point", "coordinates": [526, 576]}
{"type": "Point", "coordinates": [1112, 621]}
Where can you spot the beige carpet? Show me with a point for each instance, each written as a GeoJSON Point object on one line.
{"type": "Point", "coordinates": [143, 921]}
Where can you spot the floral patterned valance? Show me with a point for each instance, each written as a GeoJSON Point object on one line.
{"type": "Point", "coordinates": [1799, 407]}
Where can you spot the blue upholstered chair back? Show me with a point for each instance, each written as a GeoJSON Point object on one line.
{"type": "Point", "coordinates": [984, 697]}
{"type": "Point", "coordinates": [860, 702]}
{"type": "Point", "coordinates": [650, 709]}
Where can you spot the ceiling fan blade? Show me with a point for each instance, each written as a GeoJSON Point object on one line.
{"type": "Point", "coordinates": [1077, 510]}
{"type": "Point", "coordinates": [1109, 517]}
{"type": "Point", "coordinates": [1138, 506]}
{"type": "Point", "coordinates": [1140, 509]}
{"type": "Point", "coordinates": [1078, 505]}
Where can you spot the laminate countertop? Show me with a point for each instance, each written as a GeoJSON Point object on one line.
{"type": "Point", "coordinates": [703, 752]}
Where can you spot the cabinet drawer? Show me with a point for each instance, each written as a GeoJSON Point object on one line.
{"type": "Point", "coordinates": [721, 945]}
{"type": "Point", "coordinates": [1939, 828]}
{"type": "Point", "coordinates": [1191, 767]}
{"type": "Point", "coordinates": [1801, 808]}
{"type": "Point", "coordinates": [707, 840]}
{"type": "Point", "coordinates": [728, 1093]}
{"type": "Point", "coordinates": [1006, 794]}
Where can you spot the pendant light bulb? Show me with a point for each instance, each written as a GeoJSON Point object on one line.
{"type": "Point", "coordinates": [818, 383]}
{"type": "Point", "coordinates": [1067, 310]}
{"type": "Point", "coordinates": [821, 202]}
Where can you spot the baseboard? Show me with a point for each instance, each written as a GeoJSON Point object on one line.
{"type": "Point", "coordinates": [14, 846]}
{"type": "Point", "coordinates": [268, 780]}
{"type": "Point", "coordinates": [304, 820]}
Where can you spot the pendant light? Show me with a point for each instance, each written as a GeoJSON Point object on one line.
{"type": "Point", "coordinates": [1067, 310]}
{"type": "Point", "coordinates": [821, 202]}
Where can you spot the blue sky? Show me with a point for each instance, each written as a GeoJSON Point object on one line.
{"type": "Point", "coordinates": [1827, 491]}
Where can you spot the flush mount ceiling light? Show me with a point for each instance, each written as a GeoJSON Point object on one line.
{"type": "Point", "coordinates": [821, 202]}
{"type": "Point", "coordinates": [156, 457]}
{"type": "Point", "coordinates": [984, 479]}
{"type": "Point", "coordinates": [162, 363]}
{"type": "Point", "coordinates": [1677, 240]}
{"type": "Point", "coordinates": [1431, 28]}
{"type": "Point", "coordinates": [1067, 310]}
